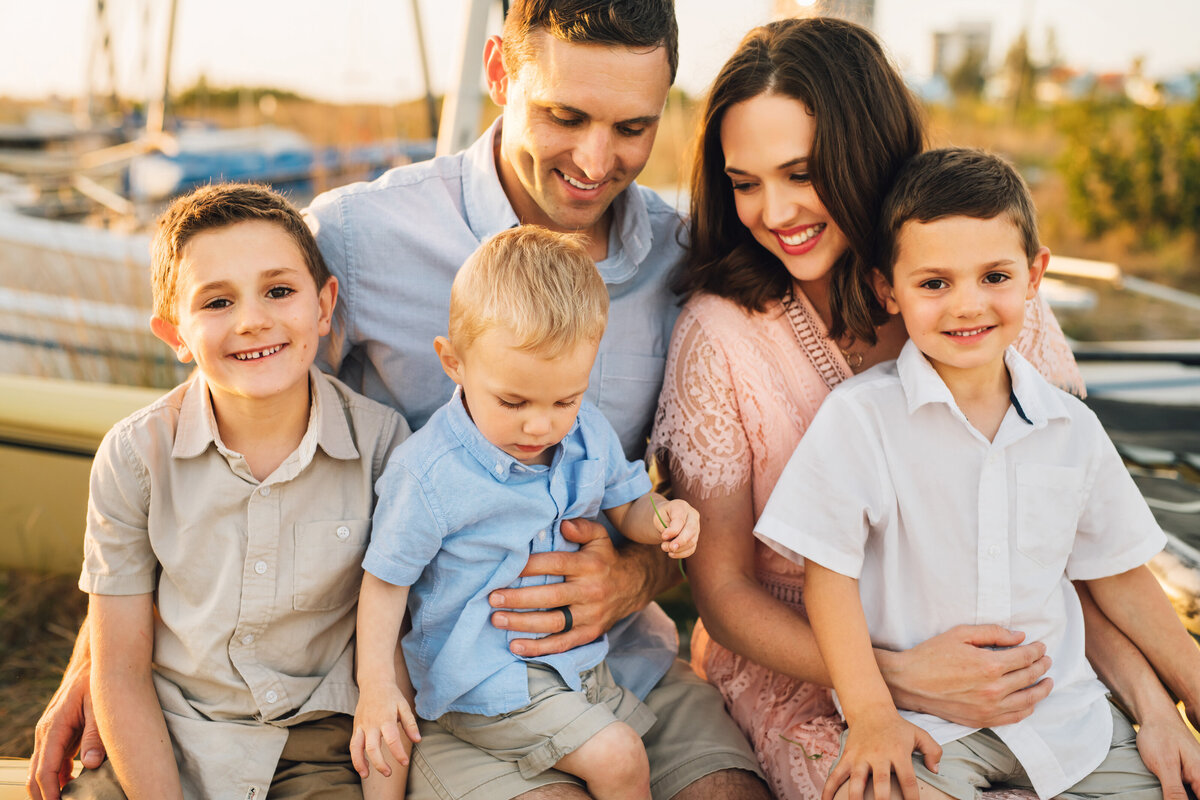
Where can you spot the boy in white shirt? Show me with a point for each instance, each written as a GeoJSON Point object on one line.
{"type": "Point", "coordinates": [966, 489]}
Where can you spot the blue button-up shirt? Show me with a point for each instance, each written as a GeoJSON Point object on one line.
{"type": "Point", "coordinates": [458, 518]}
{"type": "Point", "coordinates": [395, 245]}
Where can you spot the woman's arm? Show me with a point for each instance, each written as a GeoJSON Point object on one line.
{"type": "Point", "coordinates": [127, 709]}
{"type": "Point", "coordinates": [954, 675]}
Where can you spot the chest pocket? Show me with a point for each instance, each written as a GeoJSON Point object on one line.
{"type": "Point", "coordinates": [586, 489]}
{"type": "Point", "coordinates": [326, 571]}
{"type": "Point", "coordinates": [1049, 499]}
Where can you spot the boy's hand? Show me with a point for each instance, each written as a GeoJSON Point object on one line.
{"type": "Point", "coordinates": [375, 719]}
{"type": "Point", "coordinates": [681, 530]}
{"type": "Point", "coordinates": [876, 747]}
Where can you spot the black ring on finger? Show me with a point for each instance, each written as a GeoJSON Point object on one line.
{"type": "Point", "coordinates": [568, 620]}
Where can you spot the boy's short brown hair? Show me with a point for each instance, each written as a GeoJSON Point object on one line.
{"type": "Point", "coordinates": [619, 23]}
{"type": "Point", "coordinates": [955, 182]}
{"type": "Point", "coordinates": [539, 285]}
{"type": "Point", "coordinates": [217, 206]}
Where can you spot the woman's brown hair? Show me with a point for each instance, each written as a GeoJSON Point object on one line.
{"type": "Point", "coordinates": [867, 125]}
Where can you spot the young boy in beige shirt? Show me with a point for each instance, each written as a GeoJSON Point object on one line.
{"type": "Point", "coordinates": [227, 523]}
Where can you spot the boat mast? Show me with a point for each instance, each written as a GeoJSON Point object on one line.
{"type": "Point", "coordinates": [464, 101]}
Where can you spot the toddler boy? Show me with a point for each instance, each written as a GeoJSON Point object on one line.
{"type": "Point", "coordinates": [482, 485]}
{"type": "Point", "coordinates": [965, 489]}
{"type": "Point", "coordinates": [227, 523]}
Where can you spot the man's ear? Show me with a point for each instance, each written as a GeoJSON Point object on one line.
{"type": "Point", "coordinates": [169, 334]}
{"type": "Point", "coordinates": [451, 363]}
{"type": "Point", "coordinates": [494, 70]}
{"type": "Point", "coordinates": [1037, 269]}
{"type": "Point", "coordinates": [884, 293]}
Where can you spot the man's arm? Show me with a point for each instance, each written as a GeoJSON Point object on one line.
{"type": "Point", "coordinates": [67, 726]}
{"type": "Point", "coordinates": [603, 584]}
{"type": "Point", "coordinates": [127, 708]}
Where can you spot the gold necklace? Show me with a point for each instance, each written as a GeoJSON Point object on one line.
{"type": "Point", "coordinates": [854, 360]}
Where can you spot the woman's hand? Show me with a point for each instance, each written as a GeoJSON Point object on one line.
{"type": "Point", "coordinates": [975, 675]}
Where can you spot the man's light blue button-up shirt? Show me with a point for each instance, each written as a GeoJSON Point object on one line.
{"type": "Point", "coordinates": [395, 245]}
{"type": "Point", "coordinates": [457, 518]}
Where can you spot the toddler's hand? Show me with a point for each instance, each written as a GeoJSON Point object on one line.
{"type": "Point", "coordinates": [379, 707]}
{"type": "Point", "coordinates": [875, 748]}
{"type": "Point", "coordinates": [682, 528]}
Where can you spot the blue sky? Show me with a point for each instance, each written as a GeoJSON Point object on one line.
{"type": "Point", "coordinates": [366, 50]}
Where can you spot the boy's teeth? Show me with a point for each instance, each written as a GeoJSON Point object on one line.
{"type": "Point", "coordinates": [577, 184]}
{"type": "Point", "coordinates": [967, 333]}
{"type": "Point", "coordinates": [803, 236]}
{"type": "Point", "coordinates": [258, 353]}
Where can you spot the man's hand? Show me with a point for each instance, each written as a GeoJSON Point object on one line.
{"type": "Point", "coordinates": [958, 676]}
{"type": "Point", "coordinates": [602, 585]}
{"type": "Point", "coordinates": [67, 726]}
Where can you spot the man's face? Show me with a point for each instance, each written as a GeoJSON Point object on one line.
{"type": "Point", "coordinates": [579, 122]}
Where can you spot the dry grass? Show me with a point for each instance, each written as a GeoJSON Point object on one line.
{"type": "Point", "coordinates": [39, 616]}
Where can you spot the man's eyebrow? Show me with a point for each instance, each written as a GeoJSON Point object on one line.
{"type": "Point", "coordinates": [646, 120]}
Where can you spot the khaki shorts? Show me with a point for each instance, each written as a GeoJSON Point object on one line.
{"type": "Point", "coordinates": [557, 720]}
{"type": "Point", "coordinates": [974, 763]}
{"type": "Point", "coordinates": [315, 763]}
{"type": "Point", "coordinates": [693, 737]}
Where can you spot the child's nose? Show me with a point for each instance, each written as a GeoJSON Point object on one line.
{"type": "Point", "coordinates": [253, 316]}
{"type": "Point", "coordinates": [537, 425]}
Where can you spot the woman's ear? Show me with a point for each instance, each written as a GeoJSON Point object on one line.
{"type": "Point", "coordinates": [883, 292]}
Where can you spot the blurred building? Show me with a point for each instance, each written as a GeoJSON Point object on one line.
{"type": "Point", "coordinates": [860, 11]}
{"type": "Point", "coordinates": [967, 40]}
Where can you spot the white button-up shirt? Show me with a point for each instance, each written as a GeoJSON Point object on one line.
{"type": "Point", "coordinates": [891, 485]}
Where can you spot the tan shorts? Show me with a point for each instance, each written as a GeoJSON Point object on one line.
{"type": "Point", "coordinates": [557, 720]}
{"type": "Point", "coordinates": [693, 737]}
{"type": "Point", "coordinates": [315, 763]}
{"type": "Point", "coordinates": [976, 762]}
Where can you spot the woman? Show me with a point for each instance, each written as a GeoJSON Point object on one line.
{"type": "Point", "coordinates": [805, 127]}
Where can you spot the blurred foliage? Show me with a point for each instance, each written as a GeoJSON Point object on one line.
{"type": "Point", "coordinates": [205, 96]}
{"type": "Point", "coordinates": [1133, 168]}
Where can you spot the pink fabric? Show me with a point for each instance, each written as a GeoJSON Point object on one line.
{"type": "Point", "coordinates": [740, 390]}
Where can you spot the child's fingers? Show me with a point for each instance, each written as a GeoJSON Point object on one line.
{"type": "Point", "coordinates": [857, 782]}
{"type": "Point", "coordinates": [907, 778]}
{"type": "Point", "coordinates": [395, 741]}
{"type": "Point", "coordinates": [375, 754]}
{"type": "Point", "coordinates": [881, 781]}
{"type": "Point", "coordinates": [930, 749]}
{"type": "Point", "coordinates": [357, 751]}
{"type": "Point", "coordinates": [836, 778]}
{"type": "Point", "coordinates": [409, 722]}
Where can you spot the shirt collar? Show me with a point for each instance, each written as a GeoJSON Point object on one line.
{"type": "Point", "coordinates": [1035, 400]}
{"type": "Point", "coordinates": [495, 462]}
{"type": "Point", "coordinates": [328, 426]}
{"type": "Point", "coordinates": [488, 210]}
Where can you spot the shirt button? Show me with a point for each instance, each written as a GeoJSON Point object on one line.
{"type": "Point", "coordinates": [264, 490]}
{"type": "Point", "coordinates": [248, 638]}
{"type": "Point", "coordinates": [541, 536]}
{"type": "Point", "coordinates": [499, 469]}
{"type": "Point", "coordinates": [260, 567]}
{"type": "Point", "coordinates": [994, 551]}
{"type": "Point", "coordinates": [271, 696]}
{"type": "Point", "coordinates": [343, 532]}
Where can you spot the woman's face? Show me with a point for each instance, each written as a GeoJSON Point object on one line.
{"type": "Point", "coordinates": [767, 141]}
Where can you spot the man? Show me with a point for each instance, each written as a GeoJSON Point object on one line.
{"type": "Point", "coordinates": [583, 84]}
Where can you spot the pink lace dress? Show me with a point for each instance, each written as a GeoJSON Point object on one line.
{"type": "Point", "coordinates": [740, 390]}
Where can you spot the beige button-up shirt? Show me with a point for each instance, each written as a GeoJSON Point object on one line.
{"type": "Point", "coordinates": [255, 583]}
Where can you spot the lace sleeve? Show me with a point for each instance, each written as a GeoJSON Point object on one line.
{"type": "Point", "coordinates": [1043, 344]}
{"type": "Point", "coordinates": [698, 430]}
